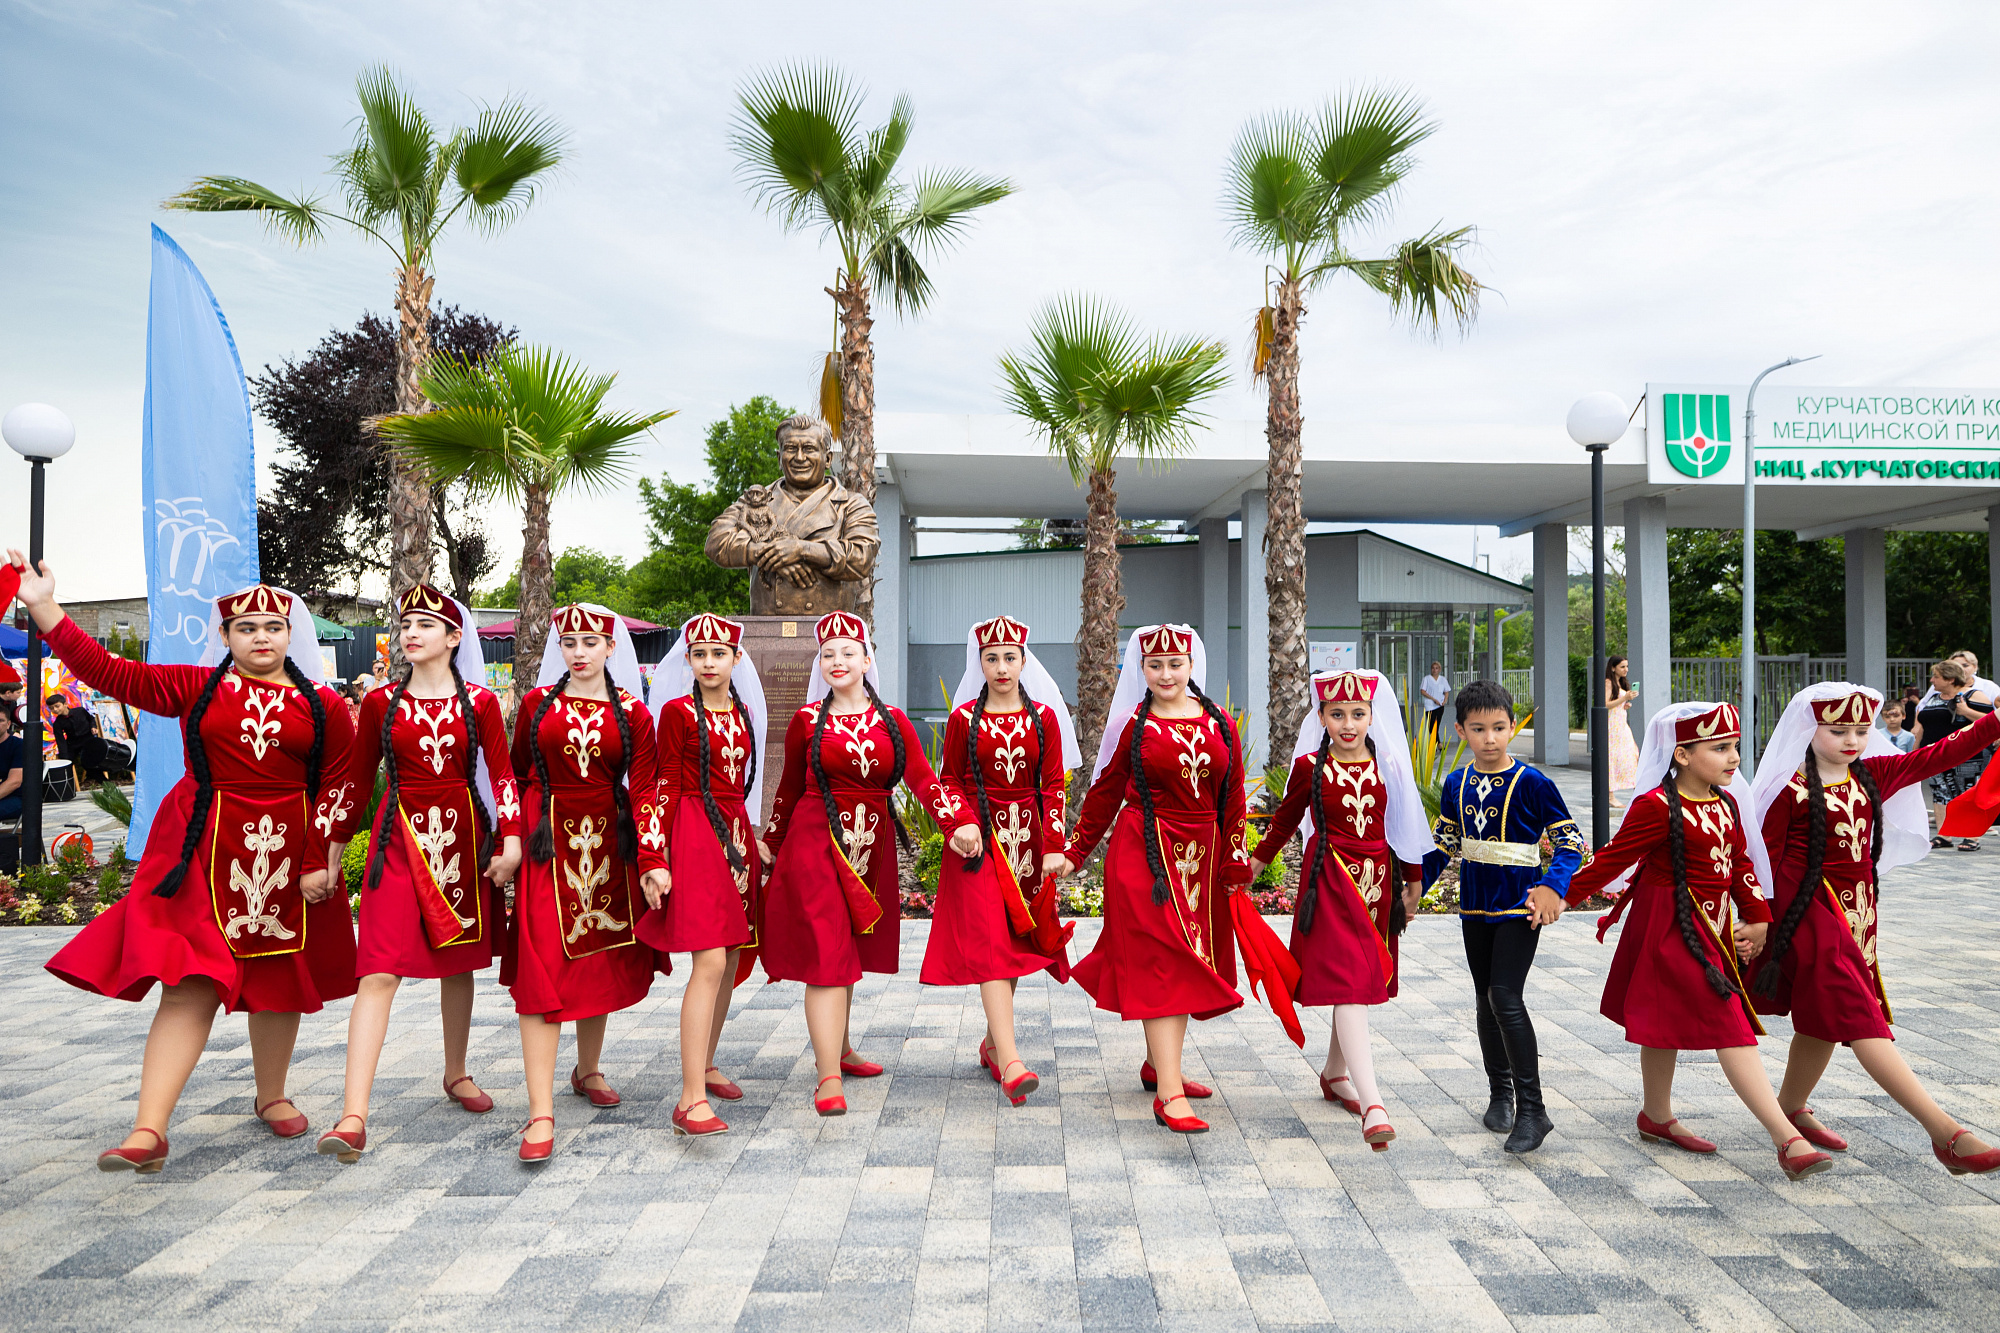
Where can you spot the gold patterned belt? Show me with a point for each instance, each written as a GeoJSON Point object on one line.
{"type": "Point", "coordinates": [1497, 852]}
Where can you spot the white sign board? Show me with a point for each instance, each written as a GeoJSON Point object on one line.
{"type": "Point", "coordinates": [1330, 656]}
{"type": "Point", "coordinates": [1809, 434]}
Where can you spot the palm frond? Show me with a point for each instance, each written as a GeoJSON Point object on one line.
{"type": "Point", "coordinates": [875, 170]}
{"type": "Point", "coordinates": [1275, 200]}
{"type": "Point", "coordinates": [796, 142]}
{"type": "Point", "coordinates": [468, 442]}
{"type": "Point", "coordinates": [940, 203]}
{"type": "Point", "coordinates": [498, 161]}
{"type": "Point", "coordinates": [390, 172]}
{"type": "Point", "coordinates": [1361, 145]}
{"type": "Point", "coordinates": [1425, 282]}
{"type": "Point", "coordinates": [1149, 407]}
{"type": "Point", "coordinates": [297, 220]}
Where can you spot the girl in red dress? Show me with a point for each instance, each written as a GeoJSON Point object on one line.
{"type": "Point", "coordinates": [1007, 747]}
{"type": "Point", "coordinates": [232, 905]}
{"type": "Point", "coordinates": [833, 906]}
{"type": "Point", "coordinates": [1674, 983]}
{"type": "Point", "coordinates": [584, 751]}
{"type": "Point", "coordinates": [1837, 804]}
{"type": "Point", "coordinates": [1352, 773]}
{"type": "Point", "coordinates": [710, 706]}
{"type": "Point", "coordinates": [1169, 787]}
{"type": "Point", "coordinates": [446, 839]}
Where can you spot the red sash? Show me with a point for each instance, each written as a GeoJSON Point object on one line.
{"type": "Point", "coordinates": [253, 873]}
{"type": "Point", "coordinates": [1382, 954]}
{"type": "Point", "coordinates": [864, 912]}
{"type": "Point", "coordinates": [1190, 868]}
{"type": "Point", "coordinates": [440, 842]}
{"type": "Point", "coordinates": [1039, 922]}
{"type": "Point", "coordinates": [593, 894]}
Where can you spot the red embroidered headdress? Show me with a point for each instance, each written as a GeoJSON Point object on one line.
{"type": "Point", "coordinates": [1849, 710]}
{"type": "Point", "coordinates": [707, 628]}
{"type": "Point", "coordinates": [426, 600]}
{"type": "Point", "coordinates": [1166, 641]}
{"type": "Point", "coordinates": [841, 625]}
{"type": "Point", "coordinates": [1349, 687]}
{"type": "Point", "coordinates": [575, 619]}
{"type": "Point", "coordinates": [258, 600]}
{"type": "Point", "coordinates": [999, 631]}
{"type": "Point", "coordinates": [1718, 723]}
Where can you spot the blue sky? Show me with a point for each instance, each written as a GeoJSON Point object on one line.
{"type": "Point", "coordinates": [1684, 191]}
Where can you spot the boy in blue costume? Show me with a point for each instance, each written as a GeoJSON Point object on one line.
{"type": "Point", "coordinates": [1493, 817]}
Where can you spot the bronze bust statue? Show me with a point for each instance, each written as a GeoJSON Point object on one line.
{"type": "Point", "coordinates": [808, 541]}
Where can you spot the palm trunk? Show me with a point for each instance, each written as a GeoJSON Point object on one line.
{"type": "Point", "coordinates": [409, 492]}
{"type": "Point", "coordinates": [461, 585]}
{"type": "Point", "coordinates": [1103, 602]}
{"type": "Point", "coordinates": [1285, 533]}
{"type": "Point", "coordinates": [531, 618]}
{"type": "Point", "coordinates": [857, 407]}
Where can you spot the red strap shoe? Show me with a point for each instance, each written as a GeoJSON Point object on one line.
{"type": "Point", "coordinates": [347, 1145]}
{"type": "Point", "coordinates": [1023, 1083]}
{"type": "Point", "coordinates": [1380, 1137]}
{"type": "Point", "coordinates": [1150, 1081]}
{"type": "Point", "coordinates": [1352, 1105]}
{"type": "Point", "coordinates": [1179, 1124]}
{"type": "Point", "coordinates": [854, 1066]}
{"type": "Point", "coordinates": [834, 1105]}
{"type": "Point", "coordinates": [603, 1096]}
{"type": "Point", "coordinates": [478, 1103]}
{"type": "Point", "coordinates": [145, 1161]}
{"type": "Point", "coordinates": [289, 1128]}
{"type": "Point", "coordinates": [1654, 1132]}
{"type": "Point", "coordinates": [538, 1152]}
{"type": "Point", "coordinates": [1817, 1135]}
{"type": "Point", "coordinates": [986, 1060]}
{"type": "Point", "coordinates": [697, 1128]}
{"type": "Point", "coordinates": [1805, 1164]}
{"type": "Point", "coordinates": [1978, 1164]}
{"type": "Point", "coordinates": [720, 1086]}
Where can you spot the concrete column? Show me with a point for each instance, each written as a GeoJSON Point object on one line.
{"type": "Point", "coordinates": [892, 594]}
{"type": "Point", "coordinates": [1648, 624]}
{"type": "Point", "coordinates": [1867, 608]}
{"type": "Point", "coordinates": [1212, 538]}
{"type": "Point", "coordinates": [1254, 691]}
{"type": "Point", "coordinates": [1552, 645]}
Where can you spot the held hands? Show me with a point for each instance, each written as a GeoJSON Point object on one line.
{"type": "Point", "coordinates": [316, 885]}
{"type": "Point", "coordinates": [1544, 906]}
{"type": "Point", "coordinates": [1413, 896]}
{"type": "Point", "coordinates": [1054, 864]}
{"type": "Point", "coordinates": [1069, 867]}
{"type": "Point", "coordinates": [965, 840]}
{"type": "Point", "coordinates": [763, 852]}
{"type": "Point", "coordinates": [1750, 940]}
{"type": "Point", "coordinates": [504, 863]}
{"type": "Point", "coordinates": [655, 884]}
{"type": "Point", "coordinates": [1257, 869]}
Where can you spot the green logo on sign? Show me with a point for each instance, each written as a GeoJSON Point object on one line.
{"type": "Point", "coordinates": [1697, 432]}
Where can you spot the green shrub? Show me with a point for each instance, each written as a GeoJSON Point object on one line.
{"type": "Point", "coordinates": [113, 801]}
{"type": "Point", "coordinates": [66, 913]}
{"type": "Point", "coordinates": [31, 912]}
{"type": "Point", "coordinates": [46, 882]}
{"type": "Point", "coordinates": [118, 857]}
{"type": "Point", "coordinates": [1083, 897]}
{"type": "Point", "coordinates": [930, 859]}
{"type": "Point", "coordinates": [1274, 873]}
{"type": "Point", "coordinates": [73, 860]}
{"type": "Point", "coordinates": [354, 862]}
{"type": "Point", "coordinates": [110, 884]}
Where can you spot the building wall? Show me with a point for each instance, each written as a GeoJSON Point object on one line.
{"type": "Point", "coordinates": [100, 620]}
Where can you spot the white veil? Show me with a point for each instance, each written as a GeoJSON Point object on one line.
{"type": "Point", "coordinates": [622, 667]}
{"type": "Point", "coordinates": [1132, 688]}
{"type": "Point", "coordinates": [1657, 753]}
{"type": "Point", "coordinates": [472, 666]}
{"type": "Point", "coordinates": [1906, 838]}
{"type": "Point", "coordinates": [304, 647]}
{"type": "Point", "coordinates": [674, 679]}
{"type": "Point", "coordinates": [1407, 826]}
{"type": "Point", "coordinates": [1035, 679]}
{"type": "Point", "coordinates": [816, 687]}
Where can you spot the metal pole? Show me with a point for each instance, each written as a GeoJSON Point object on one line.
{"type": "Point", "coordinates": [1748, 648]}
{"type": "Point", "coordinates": [31, 697]}
{"type": "Point", "coordinates": [1600, 712]}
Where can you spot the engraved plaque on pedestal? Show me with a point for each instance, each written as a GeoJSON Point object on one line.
{"type": "Point", "coordinates": [784, 650]}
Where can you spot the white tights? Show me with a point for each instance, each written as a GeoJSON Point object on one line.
{"type": "Point", "coordinates": [1348, 1056]}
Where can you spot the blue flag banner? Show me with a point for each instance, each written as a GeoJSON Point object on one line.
{"type": "Point", "coordinates": [200, 488]}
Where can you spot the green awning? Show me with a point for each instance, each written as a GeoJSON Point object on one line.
{"type": "Point", "coordinates": [329, 632]}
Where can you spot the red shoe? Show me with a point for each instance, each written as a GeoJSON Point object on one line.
{"type": "Point", "coordinates": [1150, 1081]}
{"type": "Point", "coordinates": [538, 1152]}
{"type": "Point", "coordinates": [478, 1103]}
{"type": "Point", "coordinates": [1808, 1164]}
{"type": "Point", "coordinates": [1976, 1165]}
{"type": "Point", "coordinates": [145, 1161]}
{"type": "Point", "coordinates": [1817, 1136]}
{"type": "Point", "coordinates": [986, 1060]}
{"type": "Point", "coordinates": [834, 1105]}
{"type": "Point", "coordinates": [346, 1145]}
{"type": "Point", "coordinates": [1380, 1137]}
{"type": "Point", "coordinates": [1023, 1083]}
{"type": "Point", "coordinates": [697, 1128]}
{"type": "Point", "coordinates": [724, 1089]}
{"type": "Point", "coordinates": [284, 1129]}
{"type": "Point", "coordinates": [603, 1096]}
{"type": "Point", "coordinates": [854, 1066]}
{"type": "Point", "coordinates": [1351, 1105]}
{"type": "Point", "coordinates": [1179, 1124]}
{"type": "Point", "coordinates": [1653, 1132]}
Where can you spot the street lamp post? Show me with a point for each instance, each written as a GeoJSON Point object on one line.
{"type": "Point", "coordinates": [1597, 421]}
{"type": "Point", "coordinates": [1748, 706]}
{"type": "Point", "coordinates": [40, 434]}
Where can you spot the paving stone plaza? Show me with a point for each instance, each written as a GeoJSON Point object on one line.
{"type": "Point", "coordinates": [934, 1205]}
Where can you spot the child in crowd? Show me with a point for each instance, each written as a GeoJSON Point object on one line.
{"type": "Point", "coordinates": [1494, 816]}
{"type": "Point", "coordinates": [1894, 723]}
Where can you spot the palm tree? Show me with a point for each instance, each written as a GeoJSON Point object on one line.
{"type": "Point", "coordinates": [1095, 392]}
{"type": "Point", "coordinates": [527, 424]}
{"type": "Point", "coordinates": [403, 184]}
{"type": "Point", "coordinates": [804, 157]}
{"type": "Point", "coordinates": [1298, 187]}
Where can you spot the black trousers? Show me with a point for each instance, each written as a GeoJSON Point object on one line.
{"type": "Point", "coordinates": [1499, 951]}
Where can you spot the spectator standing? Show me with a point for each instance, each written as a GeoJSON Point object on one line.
{"type": "Point", "coordinates": [1435, 689]}
{"type": "Point", "coordinates": [1952, 703]}
{"type": "Point", "coordinates": [1618, 697]}
{"type": "Point", "coordinates": [1896, 720]}
{"type": "Point", "coordinates": [10, 789]}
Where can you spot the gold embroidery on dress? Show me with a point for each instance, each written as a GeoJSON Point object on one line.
{"type": "Point", "coordinates": [508, 796]}
{"type": "Point", "coordinates": [261, 732]}
{"type": "Point", "coordinates": [434, 745]}
{"type": "Point", "coordinates": [434, 843]}
{"type": "Point", "coordinates": [586, 731]}
{"type": "Point", "coordinates": [854, 730]}
{"type": "Point", "coordinates": [1194, 760]}
{"type": "Point", "coordinates": [1015, 836]}
{"type": "Point", "coordinates": [1010, 751]}
{"type": "Point", "coordinates": [857, 832]}
{"type": "Point", "coordinates": [586, 878]}
{"type": "Point", "coordinates": [728, 728]}
{"type": "Point", "coordinates": [1358, 800]}
{"type": "Point", "coordinates": [1368, 878]}
{"type": "Point", "coordinates": [259, 883]}
{"type": "Point", "coordinates": [332, 809]}
{"type": "Point", "coordinates": [1187, 860]}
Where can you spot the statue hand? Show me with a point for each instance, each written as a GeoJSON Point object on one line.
{"type": "Point", "coordinates": [800, 575]}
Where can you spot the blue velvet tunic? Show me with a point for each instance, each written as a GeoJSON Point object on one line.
{"type": "Point", "coordinates": [1494, 821]}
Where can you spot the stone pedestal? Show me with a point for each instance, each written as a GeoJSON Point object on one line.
{"type": "Point", "coordinates": [784, 651]}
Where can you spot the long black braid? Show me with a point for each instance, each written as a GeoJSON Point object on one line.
{"type": "Point", "coordinates": [204, 788]}
{"type": "Point", "coordinates": [979, 773]}
{"type": "Point", "coordinates": [1147, 835]}
{"type": "Point", "coordinates": [1808, 890]}
{"type": "Point", "coordinates": [1308, 904]}
{"type": "Point", "coordinates": [484, 824]}
{"type": "Point", "coordinates": [1221, 721]}
{"type": "Point", "coordinates": [378, 849]}
{"type": "Point", "coordinates": [715, 819]}
{"type": "Point", "coordinates": [819, 771]}
{"type": "Point", "coordinates": [542, 842]}
{"type": "Point", "coordinates": [1684, 909]}
{"type": "Point", "coordinates": [628, 832]}
{"type": "Point", "coordinates": [318, 706]}
{"type": "Point", "coordinates": [902, 761]}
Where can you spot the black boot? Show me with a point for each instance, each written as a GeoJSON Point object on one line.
{"type": "Point", "coordinates": [1499, 1115]}
{"type": "Point", "coordinates": [1531, 1118]}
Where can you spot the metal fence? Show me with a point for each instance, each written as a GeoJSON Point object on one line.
{"type": "Point", "coordinates": [1778, 679]}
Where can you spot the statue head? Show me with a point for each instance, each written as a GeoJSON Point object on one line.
{"type": "Point", "coordinates": [804, 444]}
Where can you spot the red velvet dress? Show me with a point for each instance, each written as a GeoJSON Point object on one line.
{"type": "Point", "coordinates": [710, 906]}
{"type": "Point", "coordinates": [239, 917]}
{"type": "Point", "coordinates": [1655, 989]}
{"type": "Point", "coordinates": [1154, 960]}
{"type": "Point", "coordinates": [1829, 981]}
{"type": "Point", "coordinates": [433, 913]}
{"type": "Point", "coordinates": [972, 937]}
{"type": "Point", "coordinates": [809, 932]}
{"type": "Point", "coordinates": [1349, 956]}
{"type": "Point", "coordinates": [572, 950]}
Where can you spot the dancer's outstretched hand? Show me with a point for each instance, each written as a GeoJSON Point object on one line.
{"type": "Point", "coordinates": [37, 586]}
